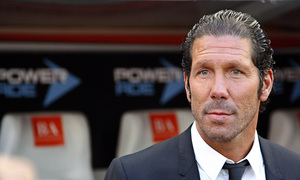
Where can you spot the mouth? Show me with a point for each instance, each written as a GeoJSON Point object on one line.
{"type": "Point", "coordinates": [219, 115]}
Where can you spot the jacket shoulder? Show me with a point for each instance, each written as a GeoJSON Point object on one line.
{"type": "Point", "coordinates": [168, 160]}
{"type": "Point", "coordinates": [155, 156]}
{"type": "Point", "coordinates": [159, 161]}
{"type": "Point", "coordinates": [280, 161]}
{"type": "Point", "coordinates": [281, 152]}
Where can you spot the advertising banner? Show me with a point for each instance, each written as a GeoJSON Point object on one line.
{"type": "Point", "coordinates": [105, 85]}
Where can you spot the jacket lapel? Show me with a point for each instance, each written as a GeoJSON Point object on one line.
{"type": "Point", "coordinates": [188, 166]}
{"type": "Point", "coordinates": [271, 165]}
{"type": "Point", "coordinates": [187, 162]}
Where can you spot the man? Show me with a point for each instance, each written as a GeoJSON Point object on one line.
{"type": "Point", "coordinates": [227, 64]}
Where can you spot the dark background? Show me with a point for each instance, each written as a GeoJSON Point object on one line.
{"type": "Point", "coordinates": [96, 97]}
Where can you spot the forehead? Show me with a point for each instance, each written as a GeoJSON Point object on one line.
{"type": "Point", "coordinates": [222, 47]}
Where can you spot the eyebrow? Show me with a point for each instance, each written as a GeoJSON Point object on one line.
{"type": "Point", "coordinates": [202, 63]}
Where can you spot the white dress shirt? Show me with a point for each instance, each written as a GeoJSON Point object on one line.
{"type": "Point", "coordinates": [210, 162]}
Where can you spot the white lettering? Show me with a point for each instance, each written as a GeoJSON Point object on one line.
{"type": "Point", "coordinates": [159, 125]}
{"type": "Point", "coordinates": [138, 75]}
{"type": "Point", "coordinates": [14, 76]}
{"type": "Point", "coordinates": [2, 75]}
{"type": "Point", "coordinates": [54, 128]}
{"type": "Point", "coordinates": [149, 75]}
{"type": "Point", "coordinates": [170, 125]}
{"type": "Point", "coordinates": [31, 76]}
{"type": "Point", "coordinates": [287, 74]}
{"type": "Point", "coordinates": [42, 129]}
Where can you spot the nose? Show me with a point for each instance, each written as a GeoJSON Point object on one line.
{"type": "Point", "coordinates": [219, 89]}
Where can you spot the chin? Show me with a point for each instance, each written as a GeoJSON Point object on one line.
{"type": "Point", "coordinates": [220, 136]}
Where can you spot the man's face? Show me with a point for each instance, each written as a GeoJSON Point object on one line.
{"type": "Point", "coordinates": [223, 87]}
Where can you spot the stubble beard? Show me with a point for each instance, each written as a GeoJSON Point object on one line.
{"type": "Point", "coordinates": [219, 133]}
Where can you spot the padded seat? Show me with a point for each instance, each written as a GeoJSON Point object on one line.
{"type": "Point", "coordinates": [143, 128]}
{"type": "Point", "coordinates": [284, 129]}
{"type": "Point", "coordinates": [57, 143]}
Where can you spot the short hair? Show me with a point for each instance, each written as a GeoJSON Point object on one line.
{"type": "Point", "coordinates": [229, 22]}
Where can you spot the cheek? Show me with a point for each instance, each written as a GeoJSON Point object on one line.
{"type": "Point", "coordinates": [244, 94]}
{"type": "Point", "coordinates": [199, 97]}
{"type": "Point", "coordinates": [199, 93]}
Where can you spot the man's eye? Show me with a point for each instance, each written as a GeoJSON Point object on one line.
{"type": "Point", "coordinates": [204, 72]}
{"type": "Point", "coordinates": [236, 72]}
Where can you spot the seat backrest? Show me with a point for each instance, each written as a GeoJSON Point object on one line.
{"type": "Point", "coordinates": [143, 128]}
{"type": "Point", "coordinates": [284, 129]}
{"type": "Point", "coordinates": [57, 143]}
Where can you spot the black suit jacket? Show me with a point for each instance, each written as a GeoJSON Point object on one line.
{"type": "Point", "coordinates": [174, 159]}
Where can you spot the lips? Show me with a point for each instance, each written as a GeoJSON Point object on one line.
{"type": "Point", "coordinates": [219, 115]}
{"type": "Point", "coordinates": [219, 112]}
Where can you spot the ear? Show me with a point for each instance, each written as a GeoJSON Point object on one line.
{"type": "Point", "coordinates": [187, 88]}
{"type": "Point", "coordinates": [267, 85]}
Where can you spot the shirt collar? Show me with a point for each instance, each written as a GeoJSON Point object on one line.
{"type": "Point", "coordinates": [255, 156]}
{"type": "Point", "coordinates": [212, 162]}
